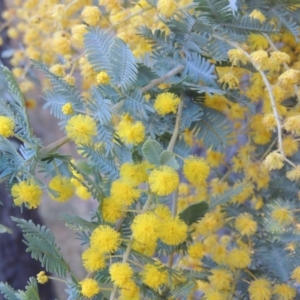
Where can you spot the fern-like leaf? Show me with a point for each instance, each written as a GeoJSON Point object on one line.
{"type": "Point", "coordinates": [8, 292]}
{"type": "Point", "coordinates": [40, 242]}
{"type": "Point", "coordinates": [152, 151]}
{"type": "Point", "coordinates": [77, 223]}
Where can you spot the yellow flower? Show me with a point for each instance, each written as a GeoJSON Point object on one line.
{"type": "Point", "coordinates": [229, 79]}
{"type": "Point", "coordinates": [60, 43]}
{"type": "Point", "coordinates": [62, 187]}
{"type": "Point", "coordinates": [166, 7]}
{"type": "Point", "coordinates": [274, 161]}
{"type": "Point", "coordinates": [163, 181]}
{"type": "Point", "coordinates": [237, 56]}
{"type": "Point", "coordinates": [289, 77]}
{"type": "Point", "coordinates": [135, 174]}
{"type": "Point", "coordinates": [93, 259]}
{"type": "Point", "coordinates": [257, 42]}
{"type": "Point", "coordinates": [124, 192]}
{"type": "Point", "coordinates": [195, 169]}
{"type": "Point", "coordinates": [212, 294]}
{"type": "Point", "coordinates": [163, 212]}
{"type": "Point", "coordinates": [196, 250]}
{"type": "Point", "coordinates": [130, 132]}
{"type": "Point", "coordinates": [146, 249]}
{"type": "Point", "coordinates": [112, 210]}
{"type": "Point", "coordinates": [245, 224]}
{"type": "Point", "coordinates": [145, 228]}
{"type": "Point", "coordinates": [89, 287]}
{"type": "Point", "coordinates": [290, 146]}
{"type": "Point", "coordinates": [220, 279]}
{"type": "Point", "coordinates": [130, 291]}
{"type": "Point", "coordinates": [260, 59]}
{"type": "Point", "coordinates": [81, 129]}
{"type": "Point", "coordinates": [103, 78]}
{"type": "Point", "coordinates": [269, 122]}
{"type": "Point", "coordinates": [284, 292]}
{"type": "Point", "coordinates": [256, 14]}
{"type": "Point", "coordinates": [7, 126]}
{"type": "Point", "coordinates": [42, 277]}
{"type": "Point", "coordinates": [91, 15]}
{"type": "Point", "coordinates": [78, 32]}
{"type": "Point", "coordinates": [70, 79]}
{"type": "Point", "coordinates": [67, 109]}
{"type": "Point", "coordinates": [282, 215]}
{"type": "Point", "coordinates": [173, 231]}
{"type": "Point", "coordinates": [166, 103]}
{"type": "Point", "coordinates": [260, 289]}
{"type": "Point", "coordinates": [58, 70]}
{"type": "Point", "coordinates": [292, 125]}
{"type": "Point", "coordinates": [238, 258]}
{"type": "Point", "coordinates": [27, 192]}
{"type": "Point", "coordinates": [105, 238]}
{"type": "Point", "coordinates": [214, 158]}
{"type": "Point", "coordinates": [120, 274]}
{"type": "Point", "coordinates": [278, 58]}
{"type": "Point", "coordinates": [296, 274]}
{"type": "Point", "coordinates": [294, 175]}
{"type": "Point", "coordinates": [154, 275]}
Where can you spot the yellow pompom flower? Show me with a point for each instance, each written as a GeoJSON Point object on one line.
{"type": "Point", "coordinates": [260, 59]}
{"type": "Point", "coordinates": [296, 274]}
{"type": "Point", "coordinates": [237, 56]}
{"type": "Point", "coordinates": [67, 109]}
{"type": "Point", "coordinates": [166, 7]}
{"type": "Point", "coordinates": [290, 146]}
{"type": "Point", "coordinates": [284, 292]}
{"type": "Point", "coordinates": [269, 122]}
{"type": "Point", "coordinates": [103, 78]}
{"type": "Point", "coordinates": [124, 192]}
{"type": "Point", "coordinates": [154, 276]}
{"type": "Point", "coordinates": [135, 174]}
{"type": "Point", "coordinates": [91, 15]}
{"type": "Point", "coordinates": [130, 291]}
{"type": "Point", "coordinates": [70, 79]}
{"type": "Point", "coordinates": [220, 279]}
{"type": "Point", "coordinates": [212, 294]}
{"type": "Point", "coordinates": [58, 70]}
{"type": "Point", "coordinates": [238, 258]}
{"type": "Point", "coordinates": [120, 274]}
{"type": "Point", "coordinates": [166, 103]}
{"type": "Point", "coordinates": [60, 43]}
{"type": "Point", "coordinates": [282, 216]}
{"type": "Point", "coordinates": [89, 287]}
{"type": "Point", "coordinates": [173, 231]}
{"type": "Point", "coordinates": [112, 209]}
{"type": "Point", "coordinates": [230, 80]}
{"type": "Point", "coordinates": [245, 224]}
{"type": "Point", "coordinates": [145, 228]}
{"type": "Point", "coordinates": [81, 129]}
{"type": "Point", "coordinates": [7, 126]}
{"type": "Point", "coordinates": [260, 289]}
{"type": "Point", "coordinates": [277, 59]}
{"type": "Point", "coordinates": [162, 212]}
{"type": "Point", "coordinates": [42, 277]}
{"type": "Point", "coordinates": [289, 77]}
{"type": "Point", "coordinates": [78, 32]}
{"type": "Point", "coordinates": [93, 259]}
{"type": "Point", "coordinates": [27, 192]}
{"type": "Point", "coordinates": [292, 125]}
{"type": "Point", "coordinates": [146, 249]}
{"type": "Point", "coordinates": [256, 14]}
{"type": "Point", "coordinates": [131, 132]}
{"type": "Point", "coordinates": [163, 181]}
{"type": "Point", "coordinates": [274, 161]}
{"type": "Point", "coordinates": [105, 238]}
{"type": "Point", "coordinates": [196, 169]}
{"type": "Point", "coordinates": [62, 187]}
{"type": "Point", "coordinates": [294, 175]}
{"type": "Point", "coordinates": [197, 250]}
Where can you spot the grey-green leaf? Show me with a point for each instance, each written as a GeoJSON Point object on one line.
{"type": "Point", "coordinates": [167, 158]}
{"type": "Point", "coordinates": [152, 151]}
{"type": "Point", "coordinates": [4, 229]}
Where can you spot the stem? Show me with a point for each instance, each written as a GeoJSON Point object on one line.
{"type": "Point", "coordinates": [54, 146]}
{"type": "Point", "coordinates": [177, 127]}
{"type": "Point", "coordinates": [57, 279]}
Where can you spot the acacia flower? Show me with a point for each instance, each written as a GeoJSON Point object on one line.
{"type": "Point", "coordinates": [195, 169]}
{"type": "Point", "coordinates": [124, 192]}
{"type": "Point", "coordinates": [294, 175]}
{"type": "Point", "coordinates": [220, 279]}
{"type": "Point", "coordinates": [238, 258]}
{"type": "Point", "coordinates": [91, 15]}
{"type": "Point", "coordinates": [135, 174]}
{"type": "Point", "coordinates": [120, 274]}
{"type": "Point", "coordinates": [78, 32]}
{"type": "Point", "coordinates": [296, 274]}
{"type": "Point", "coordinates": [62, 187]}
{"type": "Point", "coordinates": [245, 224]}
{"type": "Point", "coordinates": [27, 192]}
{"type": "Point", "coordinates": [229, 79]}
{"type": "Point", "coordinates": [67, 109]}
{"type": "Point", "coordinates": [269, 122]}
{"type": "Point", "coordinates": [166, 7]}
{"type": "Point", "coordinates": [163, 181]}
{"type": "Point", "coordinates": [260, 59]}
{"type": "Point", "coordinates": [81, 129]}
{"type": "Point", "coordinates": [197, 250]}
{"type": "Point", "coordinates": [154, 275]}
{"type": "Point", "coordinates": [237, 56]}
{"type": "Point", "coordinates": [105, 238]}
{"type": "Point", "coordinates": [112, 209]}
{"type": "Point", "coordinates": [89, 287]}
{"type": "Point", "coordinates": [42, 277]}
{"type": "Point", "coordinates": [7, 126]}
{"type": "Point", "coordinates": [93, 259]}
{"type": "Point", "coordinates": [166, 103]}
{"type": "Point", "coordinates": [274, 161]}
{"type": "Point", "coordinates": [130, 292]}
{"type": "Point", "coordinates": [289, 77]}
{"type": "Point", "coordinates": [284, 292]}
{"type": "Point", "coordinates": [60, 43]}
{"type": "Point", "coordinates": [282, 215]}
{"type": "Point", "coordinates": [260, 289]}
{"type": "Point", "coordinates": [257, 14]}
{"type": "Point", "coordinates": [103, 78]}
{"type": "Point", "coordinates": [173, 231]}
